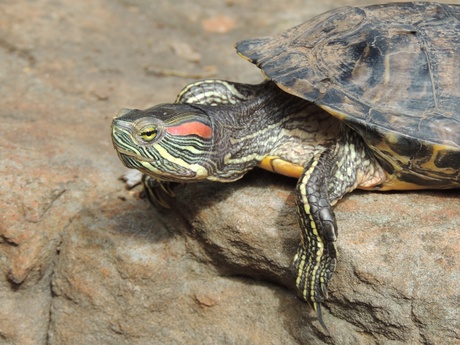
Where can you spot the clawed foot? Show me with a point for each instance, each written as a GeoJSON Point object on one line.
{"type": "Point", "coordinates": [314, 270]}
{"type": "Point", "coordinates": [157, 192]}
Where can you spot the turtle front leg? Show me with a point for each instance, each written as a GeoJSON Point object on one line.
{"type": "Point", "coordinates": [326, 178]}
{"type": "Point", "coordinates": [317, 254]}
{"type": "Point", "coordinates": [158, 192]}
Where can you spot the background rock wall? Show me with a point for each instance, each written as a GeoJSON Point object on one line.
{"type": "Point", "coordinates": [84, 261]}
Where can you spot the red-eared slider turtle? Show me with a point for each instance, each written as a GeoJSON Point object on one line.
{"type": "Point", "coordinates": [359, 97]}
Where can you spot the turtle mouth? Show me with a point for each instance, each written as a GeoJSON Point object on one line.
{"type": "Point", "coordinates": [130, 154]}
{"type": "Point", "coordinates": [132, 161]}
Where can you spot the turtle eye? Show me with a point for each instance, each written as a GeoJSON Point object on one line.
{"type": "Point", "coordinates": [148, 133]}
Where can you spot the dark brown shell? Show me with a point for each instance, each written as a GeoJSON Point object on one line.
{"type": "Point", "coordinates": [392, 68]}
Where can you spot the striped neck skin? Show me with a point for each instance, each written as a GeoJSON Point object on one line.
{"type": "Point", "coordinates": [269, 123]}
{"type": "Point", "coordinates": [192, 142]}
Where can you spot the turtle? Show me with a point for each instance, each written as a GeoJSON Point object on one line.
{"type": "Point", "coordinates": [355, 98]}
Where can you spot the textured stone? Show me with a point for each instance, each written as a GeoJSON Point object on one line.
{"type": "Point", "coordinates": [397, 278]}
{"type": "Point", "coordinates": [128, 278]}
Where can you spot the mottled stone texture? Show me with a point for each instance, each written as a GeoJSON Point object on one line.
{"type": "Point", "coordinates": [84, 261]}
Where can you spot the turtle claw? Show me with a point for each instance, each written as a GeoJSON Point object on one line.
{"type": "Point", "coordinates": [312, 278]}
{"type": "Point", "coordinates": [319, 316]}
{"type": "Point", "coordinates": [158, 192]}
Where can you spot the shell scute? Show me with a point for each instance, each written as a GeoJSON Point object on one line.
{"type": "Point", "coordinates": [380, 68]}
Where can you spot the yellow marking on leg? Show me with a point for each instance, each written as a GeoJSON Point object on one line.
{"type": "Point", "coordinates": [318, 243]}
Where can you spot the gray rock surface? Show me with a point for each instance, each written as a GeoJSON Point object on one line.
{"type": "Point", "coordinates": [397, 280]}
{"type": "Point", "coordinates": [84, 261]}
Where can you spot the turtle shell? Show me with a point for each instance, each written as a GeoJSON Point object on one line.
{"type": "Point", "coordinates": [391, 72]}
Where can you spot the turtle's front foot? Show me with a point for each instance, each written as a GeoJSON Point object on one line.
{"type": "Point", "coordinates": [313, 274]}
{"type": "Point", "coordinates": [158, 192]}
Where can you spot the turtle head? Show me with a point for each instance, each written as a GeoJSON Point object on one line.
{"type": "Point", "coordinates": [171, 142]}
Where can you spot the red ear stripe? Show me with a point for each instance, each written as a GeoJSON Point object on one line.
{"type": "Point", "coordinates": [188, 128]}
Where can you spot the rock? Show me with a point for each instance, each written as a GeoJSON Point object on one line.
{"type": "Point", "coordinates": [185, 51]}
{"type": "Point", "coordinates": [128, 277]}
{"type": "Point", "coordinates": [241, 232]}
{"type": "Point", "coordinates": [397, 276]}
{"type": "Point", "coordinates": [219, 24]}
